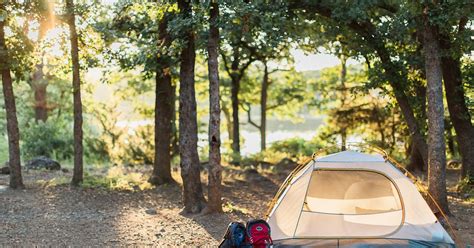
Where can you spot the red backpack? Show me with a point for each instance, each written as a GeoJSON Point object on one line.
{"type": "Point", "coordinates": [258, 234]}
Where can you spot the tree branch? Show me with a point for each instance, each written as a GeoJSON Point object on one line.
{"type": "Point", "coordinates": [226, 66]}
{"type": "Point", "coordinates": [273, 107]}
{"type": "Point", "coordinates": [249, 117]}
{"type": "Point", "coordinates": [462, 24]}
{"type": "Point", "coordinates": [246, 65]}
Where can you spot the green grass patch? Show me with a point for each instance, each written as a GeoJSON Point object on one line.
{"type": "Point", "coordinates": [118, 178]}
{"type": "Point", "coordinates": [57, 181]}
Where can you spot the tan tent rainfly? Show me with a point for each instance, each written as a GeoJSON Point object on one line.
{"type": "Point", "coordinates": [352, 199]}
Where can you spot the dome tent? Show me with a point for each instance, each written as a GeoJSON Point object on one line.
{"type": "Point", "coordinates": [352, 199]}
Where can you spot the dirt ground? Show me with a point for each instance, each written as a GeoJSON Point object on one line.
{"type": "Point", "coordinates": [64, 216]}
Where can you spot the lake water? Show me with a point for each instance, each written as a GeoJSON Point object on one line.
{"type": "Point", "coordinates": [277, 130]}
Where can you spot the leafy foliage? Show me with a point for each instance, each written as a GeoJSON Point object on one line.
{"type": "Point", "coordinates": [296, 147]}
{"type": "Point", "coordinates": [52, 139]}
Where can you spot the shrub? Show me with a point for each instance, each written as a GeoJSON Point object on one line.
{"type": "Point", "coordinates": [52, 139]}
{"type": "Point", "coordinates": [296, 147]}
{"type": "Point", "coordinates": [96, 149]}
{"type": "Point", "coordinates": [138, 147]}
{"type": "Point", "coordinates": [466, 187]}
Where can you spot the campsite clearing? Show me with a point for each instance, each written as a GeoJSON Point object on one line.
{"type": "Point", "coordinates": [60, 215]}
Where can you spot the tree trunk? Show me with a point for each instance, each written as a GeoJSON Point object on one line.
{"type": "Point", "coordinates": [41, 103]}
{"type": "Point", "coordinates": [163, 113]}
{"type": "Point", "coordinates": [77, 177]}
{"type": "Point", "coordinates": [39, 83]}
{"type": "Point", "coordinates": [174, 125]}
{"type": "Point", "coordinates": [416, 160]}
{"type": "Point", "coordinates": [343, 99]}
{"type": "Point", "coordinates": [236, 73]}
{"type": "Point", "coordinates": [449, 137]}
{"type": "Point", "coordinates": [190, 168]}
{"type": "Point", "coordinates": [263, 108]}
{"type": "Point", "coordinates": [343, 139]}
{"type": "Point", "coordinates": [235, 88]}
{"type": "Point", "coordinates": [458, 110]}
{"type": "Point", "coordinates": [215, 169]}
{"type": "Point", "coordinates": [228, 120]}
{"type": "Point", "coordinates": [436, 142]}
{"type": "Point", "coordinates": [403, 102]}
{"type": "Point", "coordinates": [16, 180]}
{"type": "Point", "coordinates": [163, 128]}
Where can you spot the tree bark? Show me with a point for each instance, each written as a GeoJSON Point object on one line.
{"type": "Point", "coordinates": [39, 83]}
{"type": "Point", "coordinates": [77, 177]}
{"type": "Point", "coordinates": [215, 169]}
{"type": "Point", "coordinates": [449, 137]}
{"type": "Point", "coordinates": [343, 99]}
{"type": "Point", "coordinates": [235, 89]}
{"type": "Point", "coordinates": [404, 103]}
{"type": "Point", "coordinates": [163, 112]}
{"type": "Point", "coordinates": [436, 142]}
{"type": "Point", "coordinates": [458, 110]}
{"type": "Point", "coordinates": [416, 160]}
{"type": "Point", "coordinates": [190, 168]}
{"type": "Point", "coordinates": [263, 108]}
{"type": "Point", "coordinates": [16, 180]}
{"type": "Point", "coordinates": [228, 120]}
{"type": "Point", "coordinates": [41, 102]}
{"type": "Point", "coordinates": [236, 73]}
{"type": "Point", "coordinates": [174, 125]}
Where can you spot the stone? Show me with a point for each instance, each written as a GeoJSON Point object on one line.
{"type": "Point", "coordinates": [42, 162]}
{"type": "Point", "coordinates": [5, 170]}
{"type": "Point", "coordinates": [151, 211]}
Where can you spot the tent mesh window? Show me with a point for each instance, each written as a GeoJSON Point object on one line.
{"type": "Point", "coordinates": [351, 192]}
{"type": "Point", "coordinates": [351, 203]}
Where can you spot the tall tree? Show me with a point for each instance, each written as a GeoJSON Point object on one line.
{"type": "Point", "coordinates": [371, 41]}
{"type": "Point", "coordinates": [146, 27]}
{"type": "Point", "coordinates": [215, 169]}
{"type": "Point", "coordinates": [455, 97]}
{"type": "Point", "coordinates": [262, 127]}
{"type": "Point", "coordinates": [39, 81]}
{"type": "Point", "coordinates": [282, 93]}
{"type": "Point", "coordinates": [436, 142]}
{"type": "Point", "coordinates": [16, 180]}
{"type": "Point", "coordinates": [190, 167]}
{"type": "Point", "coordinates": [343, 89]}
{"type": "Point", "coordinates": [266, 40]}
{"type": "Point", "coordinates": [236, 62]}
{"type": "Point", "coordinates": [236, 70]}
{"type": "Point", "coordinates": [164, 110]}
{"type": "Point", "coordinates": [77, 176]}
{"type": "Point", "coordinates": [264, 107]}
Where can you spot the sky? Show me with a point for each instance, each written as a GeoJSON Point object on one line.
{"type": "Point", "coordinates": [315, 61]}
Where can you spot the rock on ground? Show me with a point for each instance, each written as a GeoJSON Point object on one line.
{"type": "Point", "coordinates": [42, 162]}
{"type": "Point", "coordinates": [5, 170]}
